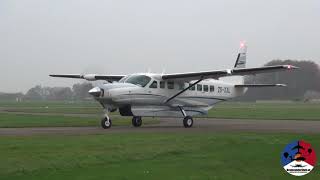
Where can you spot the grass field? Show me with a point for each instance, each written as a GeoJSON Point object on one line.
{"type": "Point", "coordinates": [148, 156]}
{"type": "Point", "coordinates": [291, 111]}
{"type": "Point", "coordinates": [23, 120]}
{"type": "Point", "coordinates": [57, 114]}
{"type": "Point", "coordinates": [194, 156]}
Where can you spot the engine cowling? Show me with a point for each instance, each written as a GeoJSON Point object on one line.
{"type": "Point", "coordinates": [90, 77]}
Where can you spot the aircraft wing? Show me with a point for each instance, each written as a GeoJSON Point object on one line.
{"type": "Point", "coordinates": [186, 77]}
{"type": "Point", "coordinates": [90, 77]}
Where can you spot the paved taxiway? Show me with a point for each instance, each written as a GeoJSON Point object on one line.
{"type": "Point", "coordinates": [175, 125]}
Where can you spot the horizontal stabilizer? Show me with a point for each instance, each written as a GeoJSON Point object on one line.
{"type": "Point", "coordinates": [259, 85]}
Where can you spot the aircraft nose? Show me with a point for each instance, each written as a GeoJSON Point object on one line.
{"type": "Point", "coordinates": [96, 92]}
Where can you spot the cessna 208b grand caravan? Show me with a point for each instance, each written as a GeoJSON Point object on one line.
{"type": "Point", "coordinates": [172, 95]}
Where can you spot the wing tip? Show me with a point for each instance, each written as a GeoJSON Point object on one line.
{"type": "Point", "coordinates": [281, 85]}
{"type": "Point", "coordinates": [289, 66]}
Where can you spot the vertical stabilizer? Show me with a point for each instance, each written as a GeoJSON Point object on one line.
{"type": "Point", "coordinates": [242, 56]}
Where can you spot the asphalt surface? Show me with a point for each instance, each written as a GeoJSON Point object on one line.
{"type": "Point", "coordinates": [175, 125]}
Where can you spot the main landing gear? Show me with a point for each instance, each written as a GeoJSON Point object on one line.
{"type": "Point", "coordinates": [136, 121]}
{"type": "Point", "coordinates": [187, 120]}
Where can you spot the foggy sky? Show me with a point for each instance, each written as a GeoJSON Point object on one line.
{"type": "Point", "coordinates": [40, 37]}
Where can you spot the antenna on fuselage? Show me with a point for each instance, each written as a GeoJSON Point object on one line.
{"type": "Point", "coordinates": [163, 71]}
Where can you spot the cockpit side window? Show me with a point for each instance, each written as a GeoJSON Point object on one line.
{"type": "Point", "coordinates": [154, 84]}
{"type": "Point", "coordinates": [140, 80]}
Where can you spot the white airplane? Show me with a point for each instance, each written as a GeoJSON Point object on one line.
{"type": "Point", "coordinates": [172, 95]}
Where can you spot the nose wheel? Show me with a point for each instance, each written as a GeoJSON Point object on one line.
{"type": "Point", "coordinates": [106, 123]}
{"type": "Point", "coordinates": [136, 121]}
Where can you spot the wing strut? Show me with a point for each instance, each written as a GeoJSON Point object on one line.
{"type": "Point", "coordinates": [190, 86]}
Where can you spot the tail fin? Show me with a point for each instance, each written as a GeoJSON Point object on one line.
{"type": "Point", "coordinates": [241, 58]}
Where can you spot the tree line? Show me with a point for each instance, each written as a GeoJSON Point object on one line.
{"type": "Point", "coordinates": [302, 83]}
{"type": "Point", "coordinates": [78, 91]}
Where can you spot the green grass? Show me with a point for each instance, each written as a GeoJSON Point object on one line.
{"type": "Point", "coordinates": [90, 103]}
{"type": "Point", "coordinates": [58, 110]}
{"type": "Point", "coordinates": [148, 156]}
{"type": "Point", "coordinates": [19, 120]}
{"type": "Point", "coordinates": [295, 111]}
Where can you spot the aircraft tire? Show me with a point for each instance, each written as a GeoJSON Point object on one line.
{"type": "Point", "coordinates": [136, 121]}
{"type": "Point", "coordinates": [188, 122]}
{"type": "Point", "coordinates": [106, 123]}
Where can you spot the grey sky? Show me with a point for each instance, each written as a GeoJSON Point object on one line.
{"type": "Point", "coordinates": [39, 37]}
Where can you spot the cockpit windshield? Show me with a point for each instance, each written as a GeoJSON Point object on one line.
{"type": "Point", "coordinates": [122, 80]}
{"type": "Point", "coordinates": [140, 80]}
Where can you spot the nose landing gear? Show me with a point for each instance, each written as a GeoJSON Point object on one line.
{"type": "Point", "coordinates": [106, 122]}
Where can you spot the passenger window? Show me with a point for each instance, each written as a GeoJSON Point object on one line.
{"type": "Point", "coordinates": [205, 88]}
{"type": "Point", "coordinates": [211, 88]}
{"type": "Point", "coordinates": [199, 87]}
{"type": "Point", "coordinates": [162, 84]}
{"type": "Point", "coordinates": [170, 85]}
{"type": "Point", "coordinates": [193, 88]}
{"type": "Point", "coordinates": [154, 84]}
{"type": "Point", "coordinates": [181, 86]}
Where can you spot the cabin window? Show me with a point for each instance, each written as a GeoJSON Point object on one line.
{"type": "Point", "coordinates": [181, 86]}
{"type": "Point", "coordinates": [211, 88]}
{"type": "Point", "coordinates": [199, 87]}
{"type": "Point", "coordinates": [170, 85]}
{"type": "Point", "coordinates": [193, 88]}
{"type": "Point", "coordinates": [205, 88]}
{"type": "Point", "coordinates": [154, 84]}
{"type": "Point", "coordinates": [162, 84]}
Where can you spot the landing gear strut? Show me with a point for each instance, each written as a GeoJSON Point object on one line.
{"type": "Point", "coordinates": [187, 120]}
{"type": "Point", "coordinates": [136, 121]}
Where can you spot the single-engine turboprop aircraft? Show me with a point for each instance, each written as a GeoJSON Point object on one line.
{"type": "Point", "coordinates": [172, 95]}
